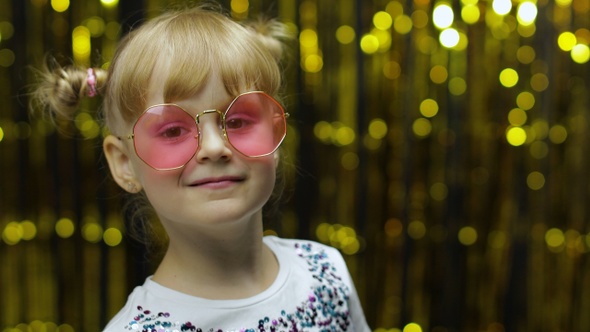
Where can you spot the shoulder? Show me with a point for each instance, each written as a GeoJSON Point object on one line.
{"type": "Point", "coordinates": [322, 270]}
{"type": "Point", "coordinates": [294, 244]}
{"type": "Point", "coordinates": [315, 256]}
{"type": "Point", "coordinates": [133, 313]}
{"type": "Point", "coordinates": [305, 249]}
{"type": "Point", "coordinates": [121, 321]}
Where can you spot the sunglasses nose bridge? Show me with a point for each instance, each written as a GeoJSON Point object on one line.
{"type": "Point", "coordinates": [198, 122]}
{"type": "Point", "coordinates": [198, 116]}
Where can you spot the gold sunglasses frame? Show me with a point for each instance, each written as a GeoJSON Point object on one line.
{"type": "Point", "coordinates": [222, 116]}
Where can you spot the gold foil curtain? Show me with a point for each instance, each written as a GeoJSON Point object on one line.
{"type": "Point", "coordinates": [440, 145]}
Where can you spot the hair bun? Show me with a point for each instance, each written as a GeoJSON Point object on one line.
{"type": "Point", "coordinates": [59, 90]}
{"type": "Point", "coordinates": [271, 34]}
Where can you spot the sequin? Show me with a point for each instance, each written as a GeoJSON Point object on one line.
{"type": "Point", "coordinates": [325, 307]}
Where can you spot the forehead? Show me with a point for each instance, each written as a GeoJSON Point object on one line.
{"type": "Point", "coordinates": [194, 95]}
{"type": "Point", "coordinates": [178, 75]}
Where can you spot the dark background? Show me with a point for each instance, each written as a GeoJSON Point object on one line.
{"type": "Point", "coordinates": [446, 222]}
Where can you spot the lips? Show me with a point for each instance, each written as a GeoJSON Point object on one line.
{"type": "Point", "coordinates": [217, 181]}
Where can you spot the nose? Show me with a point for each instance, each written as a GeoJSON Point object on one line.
{"type": "Point", "coordinates": [212, 144]}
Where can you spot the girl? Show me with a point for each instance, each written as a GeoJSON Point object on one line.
{"type": "Point", "coordinates": [190, 101]}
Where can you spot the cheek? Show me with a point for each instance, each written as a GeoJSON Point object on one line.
{"type": "Point", "coordinates": [268, 171]}
{"type": "Point", "coordinates": [161, 189]}
{"type": "Point", "coordinates": [154, 182]}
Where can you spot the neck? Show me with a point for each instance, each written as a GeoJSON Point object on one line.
{"type": "Point", "coordinates": [220, 262]}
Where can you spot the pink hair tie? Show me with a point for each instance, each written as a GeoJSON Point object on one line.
{"type": "Point", "coordinates": [91, 81]}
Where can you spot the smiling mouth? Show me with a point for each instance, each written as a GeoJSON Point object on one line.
{"type": "Point", "coordinates": [217, 182]}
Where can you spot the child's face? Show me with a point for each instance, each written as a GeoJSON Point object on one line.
{"type": "Point", "coordinates": [218, 185]}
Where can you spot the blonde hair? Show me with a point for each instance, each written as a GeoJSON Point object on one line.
{"type": "Point", "coordinates": [191, 43]}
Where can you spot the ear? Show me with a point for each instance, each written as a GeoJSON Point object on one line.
{"type": "Point", "coordinates": [117, 156]}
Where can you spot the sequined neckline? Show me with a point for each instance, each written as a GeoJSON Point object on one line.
{"type": "Point", "coordinates": [161, 291]}
{"type": "Point", "coordinates": [324, 308]}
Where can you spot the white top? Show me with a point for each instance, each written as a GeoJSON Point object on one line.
{"type": "Point", "coordinates": [313, 291]}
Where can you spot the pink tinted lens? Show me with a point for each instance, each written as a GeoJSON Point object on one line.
{"type": "Point", "coordinates": [166, 137]}
{"type": "Point", "coordinates": [255, 124]}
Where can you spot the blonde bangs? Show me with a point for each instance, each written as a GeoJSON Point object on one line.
{"type": "Point", "coordinates": [202, 43]}
{"type": "Point", "coordinates": [188, 46]}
